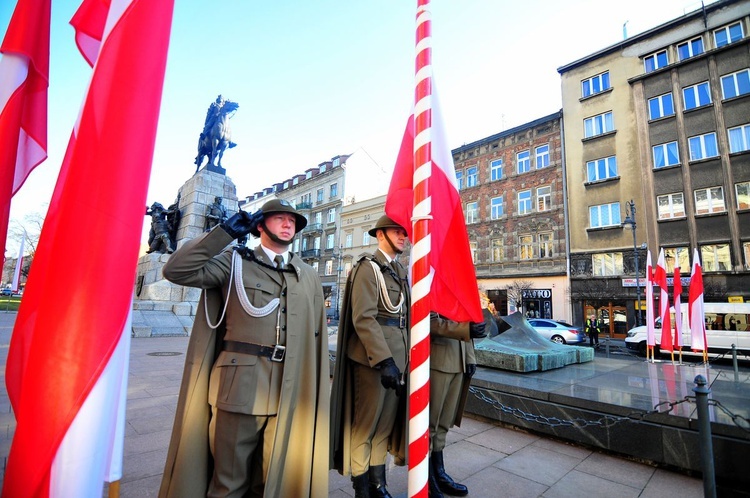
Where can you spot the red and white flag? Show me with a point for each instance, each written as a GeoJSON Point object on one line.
{"type": "Point", "coordinates": [65, 345]}
{"type": "Point", "coordinates": [19, 265]}
{"type": "Point", "coordinates": [650, 332]}
{"type": "Point", "coordinates": [453, 293]}
{"type": "Point", "coordinates": [666, 323]}
{"type": "Point", "coordinates": [24, 77]}
{"type": "Point", "coordinates": [696, 314]}
{"type": "Point", "coordinates": [677, 285]}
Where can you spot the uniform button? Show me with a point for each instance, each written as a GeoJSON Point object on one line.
{"type": "Point", "coordinates": [283, 328]}
{"type": "Point", "coordinates": [283, 310]}
{"type": "Point", "coordinates": [283, 293]}
{"type": "Point", "coordinates": [234, 360]}
{"type": "Point", "coordinates": [257, 285]}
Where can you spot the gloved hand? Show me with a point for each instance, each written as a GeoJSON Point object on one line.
{"type": "Point", "coordinates": [471, 369]}
{"type": "Point", "coordinates": [240, 224]}
{"type": "Point", "coordinates": [390, 376]}
{"type": "Point", "coordinates": [476, 330]}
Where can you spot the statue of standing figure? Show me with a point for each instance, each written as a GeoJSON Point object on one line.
{"type": "Point", "coordinates": [216, 135]}
{"type": "Point", "coordinates": [159, 236]}
{"type": "Point", "coordinates": [215, 214]}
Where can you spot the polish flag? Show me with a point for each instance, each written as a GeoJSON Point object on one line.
{"type": "Point", "coordinates": [666, 323]}
{"type": "Point", "coordinates": [453, 293]}
{"type": "Point", "coordinates": [650, 332]}
{"type": "Point", "coordinates": [19, 266]}
{"type": "Point", "coordinates": [67, 363]}
{"type": "Point", "coordinates": [696, 314]}
{"type": "Point", "coordinates": [677, 284]}
{"type": "Point", "coordinates": [24, 76]}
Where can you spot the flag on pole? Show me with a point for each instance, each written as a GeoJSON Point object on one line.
{"type": "Point", "coordinates": [19, 265]}
{"type": "Point", "coordinates": [24, 76]}
{"type": "Point", "coordinates": [63, 345]}
{"type": "Point", "coordinates": [677, 285]}
{"type": "Point", "coordinates": [666, 323]}
{"type": "Point", "coordinates": [696, 314]}
{"type": "Point", "coordinates": [650, 332]}
{"type": "Point", "coordinates": [453, 293]}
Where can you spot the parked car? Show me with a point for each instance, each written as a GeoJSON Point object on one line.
{"type": "Point", "coordinates": [7, 292]}
{"type": "Point", "coordinates": [557, 331]}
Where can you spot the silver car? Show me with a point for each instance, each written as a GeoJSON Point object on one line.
{"type": "Point", "coordinates": [557, 331]}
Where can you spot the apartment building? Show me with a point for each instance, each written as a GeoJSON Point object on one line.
{"type": "Point", "coordinates": [661, 119]}
{"type": "Point", "coordinates": [512, 189]}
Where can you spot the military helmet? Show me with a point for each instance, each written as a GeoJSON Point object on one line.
{"type": "Point", "coordinates": [383, 223]}
{"type": "Point", "coordinates": [281, 206]}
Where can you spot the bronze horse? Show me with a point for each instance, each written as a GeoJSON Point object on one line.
{"type": "Point", "coordinates": [217, 138]}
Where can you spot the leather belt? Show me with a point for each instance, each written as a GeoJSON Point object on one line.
{"type": "Point", "coordinates": [274, 353]}
{"type": "Point", "coordinates": [391, 322]}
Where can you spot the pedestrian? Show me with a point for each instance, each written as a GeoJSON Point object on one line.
{"type": "Point", "coordinates": [452, 364]}
{"type": "Point", "coordinates": [592, 330]}
{"type": "Point", "coordinates": [255, 389]}
{"type": "Point", "coordinates": [368, 402]}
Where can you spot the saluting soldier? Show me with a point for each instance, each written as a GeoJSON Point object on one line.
{"type": "Point", "coordinates": [369, 392]}
{"type": "Point", "coordinates": [258, 355]}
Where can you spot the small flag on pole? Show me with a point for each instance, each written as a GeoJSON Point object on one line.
{"type": "Point", "coordinates": [650, 318]}
{"type": "Point", "coordinates": [677, 285]}
{"type": "Point", "coordinates": [666, 323]}
{"type": "Point", "coordinates": [696, 313]}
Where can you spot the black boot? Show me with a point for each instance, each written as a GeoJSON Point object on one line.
{"type": "Point", "coordinates": [433, 491]}
{"type": "Point", "coordinates": [361, 486]}
{"type": "Point", "coordinates": [378, 487]}
{"type": "Point", "coordinates": [444, 481]}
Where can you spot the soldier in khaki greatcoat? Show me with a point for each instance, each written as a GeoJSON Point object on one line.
{"type": "Point", "coordinates": [369, 392]}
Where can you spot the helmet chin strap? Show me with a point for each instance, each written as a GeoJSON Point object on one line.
{"type": "Point", "coordinates": [275, 237]}
{"type": "Point", "coordinates": [390, 243]}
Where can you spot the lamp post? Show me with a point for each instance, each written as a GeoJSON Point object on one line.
{"type": "Point", "coordinates": [630, 220]}
{"type": "Point", "coordinates": [338, 281]}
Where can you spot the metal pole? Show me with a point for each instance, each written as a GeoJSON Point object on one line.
{"type": "Point", "coordinates": [734, 363]}
{"type": "Point", "coordinates": [704, 433]}
{"type": "Point", "coordinates": [637, 278]}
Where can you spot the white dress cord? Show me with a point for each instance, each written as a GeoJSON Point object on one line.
{"type": "Point", "coordinates": [384, 298]}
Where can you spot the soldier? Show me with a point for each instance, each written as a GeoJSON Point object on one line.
{"type": "Point", "coordinates": [258, 355]}
{"type": "Point", "coordinates": [215, 214]}
{"type": "Point", "coordinates": [369, 395]}
{"type": "Point", "coordinates": [452, 364]}
{"type": "Point", "coordinates": [159, 235]}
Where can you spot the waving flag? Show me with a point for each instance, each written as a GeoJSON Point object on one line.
{"type": "Point", "coordinates": [19, 266]}
{"type": "Point", "coordinates": [696, 314]}
{"type": "Point", "coordinates": [660, 278]}
{"type": "Point", "coordinates": [64, 347]}
{"type": "Point", "coordinates": [650, 333]}
{"type": "Point", "coordinates": [677, 285]}
{"type": "Point", "coordinates": [24, 76]}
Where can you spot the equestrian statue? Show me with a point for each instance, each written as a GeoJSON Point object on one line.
{"type": "Point", "coordinates": [216, 136]}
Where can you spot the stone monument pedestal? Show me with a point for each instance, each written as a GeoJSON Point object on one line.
{"type": "Point", "coordinates": [161, 308]}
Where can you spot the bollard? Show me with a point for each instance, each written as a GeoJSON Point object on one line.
{"type": "Point", "coordinates": [704, 434]}
{"type": "Point", "coordinates": [734, 363]}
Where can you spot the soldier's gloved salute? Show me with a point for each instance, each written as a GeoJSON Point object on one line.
{"type": "Point", "coordinates": [242, 223]}
{"type": "Point", "coordinates": [476, 330]}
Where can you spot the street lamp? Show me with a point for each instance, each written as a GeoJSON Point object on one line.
{"type": "Point", "coordinates": [630, 220]}
{"type": "Point", "coordinates": [338, 281]}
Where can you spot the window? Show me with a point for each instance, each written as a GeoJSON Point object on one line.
{"type": "Point", "coordinates": [496, 169]}
{"type": "Point", "coordinates": [607, 264]}
{"type": "Point", "coordinates": [332, 215]}
{"type": "Point", "coordinates": [655, 61]}
{"type": "Point", "coordinates": [320, 195]}
{"type": "Point", "coordinates": [316, 243]}
{"type": "Point", "coordinates": [523, 162]}
{"type": "Point", "coordinates": [660, 106]}
{"type": "Point", "coordinates": [471, 177]}
{"type": "Point", "coordinates": [709, 200]}
{"type": "Point", "coordinates": [739, 138]}
{"type": "Point", "coordinates": [595, 84]}
{"type": "Point", "coordinates": [348, 239]}
{"type": "Point", "coordinates": [604, 215]}
{"type": "Point", "coordinates": [497, 208]}
{"type": "Point", "coordinates": [743, 195]}
{"type": "Point", "coordinates": [677, 256]}
{"type": "Point", "coordinates": [666, 155]}
{"type": "Point", "coordinates": [496, 248]}
{"type": "Point", "coordinates": [735, 84]}
{"type": "Point", "coordinates": [746, 250]}
{"type": "Point", "coordinates": [334, 190]}
{"type": "Point", "coordinates": [696, 95]}
{"type": "Point", "coordinates": [596, 125]}
{"type": "Point", "coordinates": [295, 246]}
{"type": "Point", "coordinates": [319, 217]}
{"type": "Point", "coordinates": [542, 156]}
{"type": "Point", "coordinates": [329, 241]}
{"type": "Point", "coordinates": [366, 236]}
{"type": "Point", "coordinates": [716, 257]}
{"type": "Point", "coordinates": [544, 198]}
{"type": "Point", "coordinates": [728, 34]}
{"type": "Point", "coordinates": [671, 206]}
{"type": "Point", "coordinates": [460, 179]}
{"type": "Point", "coordinates": [546, 249]}
{"type": "Point", "coordinates": [601, 169]}
{"type": "Point", "coordinates": [525, 247]}
{"type": "Point", "coordinates": [304, 245]}
{"type": "Point", "coordinates": [473, 249]}
{"type": "Point", "coordinates": [524, 202]}
{"type": "Point", "coordinates": [690, 48]}
{"type": "Point", "coordinates": [315, 266]}
{"type": "Point", "coordinates": [703, 146]}
{"type": "Point", "coordinates": [347, 269]}
{"type": "Point", "coordinates": [329, 267]}
{"type": "Point", "coordinates": [472, 212]}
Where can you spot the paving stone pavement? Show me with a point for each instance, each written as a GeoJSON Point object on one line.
{"type": "Point", "coordinates": [493, 461]}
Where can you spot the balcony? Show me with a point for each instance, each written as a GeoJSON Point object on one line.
{"type": "Point", "coordinates": [311, 253]}
{"type": "Point", "coordinates": [313, 227]}
{"type": "Point", "coordinates": [304, 205]}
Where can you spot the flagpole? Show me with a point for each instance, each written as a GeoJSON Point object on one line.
{"type": "Point", "coordinates": [419, 363]}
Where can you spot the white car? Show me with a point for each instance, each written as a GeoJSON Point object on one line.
{"type": "Point", "coordinates": [557, 331]}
